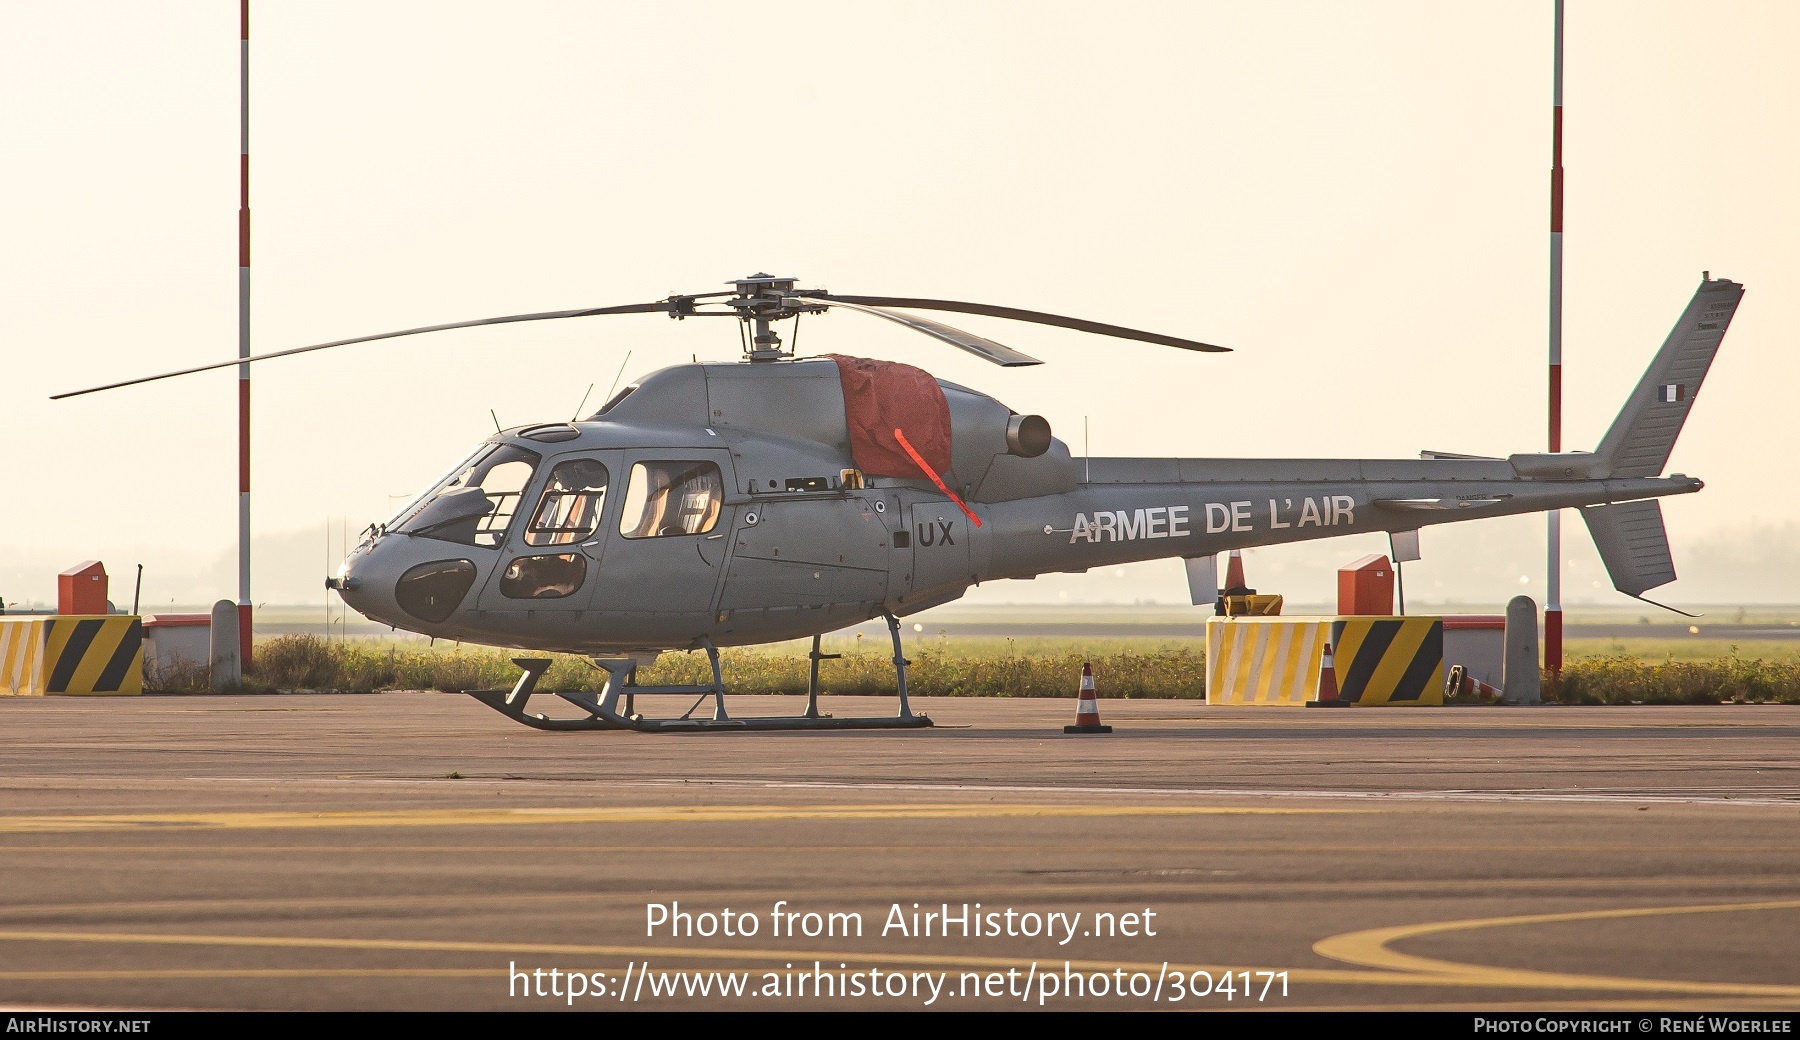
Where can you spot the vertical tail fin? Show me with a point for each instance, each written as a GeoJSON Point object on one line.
{"type": "Point", "coordinates": [1633, 544]}
{"type": "Point", "coordinates": [1641, 438]}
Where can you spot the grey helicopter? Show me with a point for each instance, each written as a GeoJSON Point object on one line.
{"type": "Point", "coordinates": [781, 497]}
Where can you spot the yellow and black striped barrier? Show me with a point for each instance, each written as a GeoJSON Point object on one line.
{"type": "Point", "coordinates": [72, 654]}
{"type": "Point", "coordinates": [1391, 661]}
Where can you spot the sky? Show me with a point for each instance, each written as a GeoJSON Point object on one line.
{"type": "Point", "coordinates": [1353, 196]}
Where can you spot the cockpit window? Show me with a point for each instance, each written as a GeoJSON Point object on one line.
{"type": "Point", "coordinates": [437, 485]}
{"type": "Point", "coordinates": [570, 508]}
{"type": "Point", "coordinates": [671, 498]}
{"type": "Point", "coordinates": [477, 505]}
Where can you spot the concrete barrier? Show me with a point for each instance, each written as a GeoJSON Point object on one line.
{"type": "Point", "coordinates": [101, 654]}
{"type": "Point", "coordinates": [1524, 679]}
{"type": "Point", "coordinates": [1264, 660]}
{"type": "Point", "coordinates": [1380, 661]}
{"type": "Point", "coordinates": [1390, 661]}
{"type": "Point", "coordinates": [177, 647]}
{"type": "Point", "coordinates": [227, 666]}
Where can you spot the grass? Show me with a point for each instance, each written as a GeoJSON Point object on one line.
{"type": "Point", "coordinates": [1630, 680]}
{"type": "Point", "coordinates": [1689, 648]}
{"type": "Point", "coordinates": [945, 669]}
{"type": "Point", "coordinates": [1128, 667]}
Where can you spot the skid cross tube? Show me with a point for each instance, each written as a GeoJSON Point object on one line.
{"type": "Point", "coordinates": [603, 710]}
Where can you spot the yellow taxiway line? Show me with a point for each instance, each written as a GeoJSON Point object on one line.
{"type": "Point", "coordinates": [386, 818]}
{"type": "Point", "coordinates": [640, 953]}
{"type": "Point", "coordinates": [1369, 948]}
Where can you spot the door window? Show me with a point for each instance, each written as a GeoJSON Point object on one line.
{"type": "Point", "coordinates": [569, 510]}
{"type": "Point", "coordinates": [671, 498]}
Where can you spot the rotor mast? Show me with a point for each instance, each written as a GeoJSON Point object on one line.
{"type": "Point", "coordinates": [759, 304]}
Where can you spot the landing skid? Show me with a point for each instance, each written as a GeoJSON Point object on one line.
{"type": "Point", "coordinates": [605, 711]}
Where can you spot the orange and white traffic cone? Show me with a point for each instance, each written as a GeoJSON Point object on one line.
{"type": "Point", "coordinates": [1328, 684]}
{"type": "Point", "coordinates": [1087, 709]}
{"type": "Point", "coordinates": [1462, 684]}
{"type": "Point", "coordinates": [1235, 585]}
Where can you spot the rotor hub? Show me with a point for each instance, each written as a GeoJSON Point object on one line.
{"type": "Point", "coordinates": [763, 299]}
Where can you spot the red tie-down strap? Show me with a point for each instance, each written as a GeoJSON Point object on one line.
{"type": "Point", "coordinates": [919, 460]}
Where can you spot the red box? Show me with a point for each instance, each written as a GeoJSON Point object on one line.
{"type": "Point", "coordinates": [1366, 587]}
{"type": "Point", "coordinates": [82, 589]}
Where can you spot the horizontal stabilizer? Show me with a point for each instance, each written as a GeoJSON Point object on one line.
{"type": "Point", "coordinates": [1633, 545]}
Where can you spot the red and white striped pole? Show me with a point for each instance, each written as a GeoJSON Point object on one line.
{"type": "Point", "coordinates": [1553, 619]}
{"type": "Point", "coordinates": [244, 334]}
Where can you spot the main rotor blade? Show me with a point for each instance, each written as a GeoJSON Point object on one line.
{"type": "Point", "coordinates": [632, 308]}
{"type": "Point", "coordinates": [998, 353]}
{"type": "Point", "coordinates": [1039, 317]}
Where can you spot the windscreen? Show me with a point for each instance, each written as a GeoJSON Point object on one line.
{"type": "Point", "coordinates": [412, 507]}
{"type": "Point", "coordinates": [476, 506]}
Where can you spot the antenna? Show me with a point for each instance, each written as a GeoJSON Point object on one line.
{"type": "Point", "coordinates": [578, 407]}
{"type": "Point", "coordinates": [621, 375]}
{"type": "Point", "coordinates": [496, 419]}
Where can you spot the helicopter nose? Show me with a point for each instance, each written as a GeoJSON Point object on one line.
{"type": "Point", "coordinates": [408, 584]}
{"type": "Point", "coordinates": [359, 580]}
